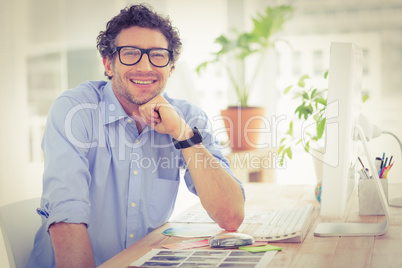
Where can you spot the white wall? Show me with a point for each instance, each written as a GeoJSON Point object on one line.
{"type": "Point", "coordinates": [14, 180]}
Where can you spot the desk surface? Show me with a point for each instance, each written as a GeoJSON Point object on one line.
{"type": "Point", "coordinates": [379, 251]}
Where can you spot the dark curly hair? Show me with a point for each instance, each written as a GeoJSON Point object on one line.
{"type": "Point", "coordinates": [138, 15]}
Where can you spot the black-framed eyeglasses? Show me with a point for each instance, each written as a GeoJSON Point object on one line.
{"type": "Point", "coordinates": [158, 57]}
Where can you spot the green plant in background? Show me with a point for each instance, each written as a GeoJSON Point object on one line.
{"type": "Point", "coordinates": [312, 106]}
{"type": "Point", "coordinates": [234, 51]}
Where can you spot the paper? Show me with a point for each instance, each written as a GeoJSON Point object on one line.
{"type": "Point", "coordinates": [194, 230]}
{"type": "Point", "coordinates": [204, 258]}
{"type": "Point", "coordinates": [266, 247]}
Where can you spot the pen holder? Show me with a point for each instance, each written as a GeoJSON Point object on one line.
{"type": "Point", "coordinates": [369, 200]}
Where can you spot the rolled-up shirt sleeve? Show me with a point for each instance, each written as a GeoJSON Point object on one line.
{"type": "Point", "coordinates": [202, 122]}
{"type": "Point", "coordinates": [66, 177]}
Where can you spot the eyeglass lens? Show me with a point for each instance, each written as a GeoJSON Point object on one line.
{"type": "Point", "coordinates": [131, 55]}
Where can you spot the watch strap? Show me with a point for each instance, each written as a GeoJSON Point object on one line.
{"type": "Point", "coordinates": [195, 139]}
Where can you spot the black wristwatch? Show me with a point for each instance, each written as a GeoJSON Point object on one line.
{"type": "Point", "coordinates": [196, 139]}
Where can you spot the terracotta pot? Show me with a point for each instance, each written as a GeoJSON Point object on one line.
{"type": "Point", "coordinates": [243, 126]}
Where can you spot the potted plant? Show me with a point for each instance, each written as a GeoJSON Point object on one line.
{"type": "Point", "coordinates": [311, 107]}
{"type": "Point", "coordinates": [234, 56]}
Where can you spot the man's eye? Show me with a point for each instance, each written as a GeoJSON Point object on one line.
{"type": "Point", "coordinates": [158, 54]}
{"type": "Point", "coordinates": [131, 53]}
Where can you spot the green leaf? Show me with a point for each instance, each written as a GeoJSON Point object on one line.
{"type": "Point", "coordinates": [223, 41]}
{"type": "Point", "coordinates": [321, 101]}
{"type": "Point", "coordinates": [287, 89]}
{"type": "Point", "coordinates": [300, 111]}
{"type": "Point", "coordinates": [270, 22]}
{"type": "Point", "coordinates": [320, 128]}
{"type": "Point", "coordinates": [280, 149]}
{"type": "Point", "coordinates": [326, 74]}
{"type": "Point", "coordinates": [310, 109]}
{"type": "Point", "coordinates": [365, 97]}
{"type": "Point", "coordinates": [289, 153]}
{"type": "Point", "coordinates": [202, 66]}
{"type": "Point", "coordinates": [301, 82]}
{"type": "Point", "coordinates": [312, 95]}
{"type": "Point", "coordinates": [290, 131]}
{"type": "Point", "coordinates": [297, 95]}
{"type": "Point", "coordinates": [307, 147]}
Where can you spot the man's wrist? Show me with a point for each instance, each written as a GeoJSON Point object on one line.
{"type": "Point", "coordinates": [185, 134]}
{"type": "Point", "coordinates": [193, 139]}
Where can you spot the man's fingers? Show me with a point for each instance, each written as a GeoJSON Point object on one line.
{"type": "Point", "coordinates": [155, 117]}
{"type": "Point", "coordinates": [150, 114]}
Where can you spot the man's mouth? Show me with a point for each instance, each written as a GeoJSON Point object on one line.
{"type": "Point", "coordinates": [142, 82]}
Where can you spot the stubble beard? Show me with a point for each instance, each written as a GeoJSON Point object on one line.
{"type": "Point", "coordinates": [129, 96]}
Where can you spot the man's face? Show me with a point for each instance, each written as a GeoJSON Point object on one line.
{"type": "Point", "coordinates": [139, 83]}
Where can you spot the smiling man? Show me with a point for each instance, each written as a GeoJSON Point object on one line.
{"type": "Point", "coordinates": [114, 151]}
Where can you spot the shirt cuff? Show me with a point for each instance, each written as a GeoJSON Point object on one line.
{"type": "Point", "coordinates": [69, 212]}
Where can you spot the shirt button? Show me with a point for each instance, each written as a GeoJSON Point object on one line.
{"type": "Point", "coordinates": [135, 172]}
{"type": "Point", "coordinates": [137, 141]}
{"type": "Point", "coordinates": [131, 236]}
{"type": "Point", "coordinates": [129, 120]}
{"type": "Point", "coordinates": [132, 204]}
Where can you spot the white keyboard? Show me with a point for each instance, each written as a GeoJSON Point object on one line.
{"type": "Point", "coordinates": [203, 217]}
{"type": "Point", "coordinates": [286, 225]}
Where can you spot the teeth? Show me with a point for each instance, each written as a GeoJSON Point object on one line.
{"type": "Point", "coordinates": [142, 82]}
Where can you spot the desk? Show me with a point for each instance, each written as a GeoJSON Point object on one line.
{"type": "Point", "coordinates": [380, 251]}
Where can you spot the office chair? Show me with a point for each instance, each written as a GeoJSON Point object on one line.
{"type": "Point", "coordinates": [19, 223]}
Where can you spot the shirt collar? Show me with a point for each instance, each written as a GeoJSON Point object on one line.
{"type": "Point", "coordinates": [113, 111]}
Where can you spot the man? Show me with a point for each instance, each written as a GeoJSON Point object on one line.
{"type": "Point", "coordinates": [114, 151]}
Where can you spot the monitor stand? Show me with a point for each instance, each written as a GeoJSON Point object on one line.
{"type": "Point", "coordinates": [395, 202]}
{"type": "Point", "coordinates": [359, 229]}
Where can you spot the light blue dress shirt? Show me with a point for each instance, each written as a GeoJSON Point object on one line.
{"type": "Point", "coordinates": [100, 171]}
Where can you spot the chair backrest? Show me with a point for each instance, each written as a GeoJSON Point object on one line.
{"type": "Point", "coordinates": [19, 223]}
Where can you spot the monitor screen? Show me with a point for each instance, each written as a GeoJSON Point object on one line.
{"type": "Point", "coordinates": [340, 162]}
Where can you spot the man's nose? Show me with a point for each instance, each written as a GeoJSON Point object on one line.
{"type": "Point", "coordinates": [144, 64]}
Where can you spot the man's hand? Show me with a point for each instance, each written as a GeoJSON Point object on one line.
{"type": "Point", "coordinates": [159, 114]}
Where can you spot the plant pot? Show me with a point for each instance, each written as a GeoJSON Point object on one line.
{"type": "Point", "coordinates": [243, 126]}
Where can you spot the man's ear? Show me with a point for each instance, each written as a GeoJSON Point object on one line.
{"type": "Point", "coordinates": [107, 63]}
{"type": "Point", "coordinates": [171, 70]}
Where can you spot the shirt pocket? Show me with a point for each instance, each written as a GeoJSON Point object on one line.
{"type": "Point", "coordinates": [164, 193]}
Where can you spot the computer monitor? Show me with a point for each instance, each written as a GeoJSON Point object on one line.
{"type": "Point", "coordinates": [342, 138]}
{"type": "Point", "coordinates": [343, 108]}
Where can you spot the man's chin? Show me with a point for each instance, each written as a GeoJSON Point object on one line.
{"type": "Point", "coordinates": [141, 101]}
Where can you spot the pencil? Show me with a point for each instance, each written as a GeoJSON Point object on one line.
{"type": "Point", "coordinates": [361, 162]}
